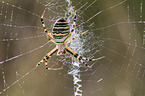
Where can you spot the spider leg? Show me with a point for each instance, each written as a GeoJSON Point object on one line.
{"type": "Point", "coordinates": [74, 24]}
{"type": "Point", "coordinates": [44, 24]}
{"type": "Point", "coordinates": [76, 37]}
{"type": "Point", "coordinates": [55, 68]}
{"type": "Point", "coordinates": [52, 40]}
{"type": "Point", "coordinates": [80, 57]}
{"type": "Point", "coordinates": [45, 59]}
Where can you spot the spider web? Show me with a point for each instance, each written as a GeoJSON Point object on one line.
{"type": "Point", "coordinates": [116, 31]}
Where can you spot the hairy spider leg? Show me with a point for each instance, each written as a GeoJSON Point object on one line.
{"type": "Point", "coordinates": [52, 40]}
{"type": "Point", "coordinates": [76, 56]}
{"type": "Point", "coordinates": [80, 57]}
{"type": "Point", "coordinates": [44, 24]}
{"type": "Point", "coordinates": [76, 37]}
{"type": "Point", "coordinates": [74, 24]}
{"type": "Point", "coordinates": [45, 59]}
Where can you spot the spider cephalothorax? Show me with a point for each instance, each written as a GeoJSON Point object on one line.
{"type": "Point", "coordinates": [60, 36]}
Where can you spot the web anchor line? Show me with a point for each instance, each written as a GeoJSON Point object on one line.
{"type": "Point", "coordinates": [18, 80]}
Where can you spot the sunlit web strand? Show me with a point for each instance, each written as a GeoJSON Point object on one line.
{"type": "Point", "coordinates": [115, 76]}
{"type": "Point", "coordinates": [1, 62]}
{"type": "Point", "coordinates": [82, 7]}
{"type": "Point", "coordinates": [102, 11]}
{"type": "Point", "coordinates": [128, 58]}
{"type": "Point", "coordinates": [15, 26]}
{"type": "Point", "coordinates": [18, 80]}
{"type": "Point", "coordinates": [21, 9]}
{"type": "Point", "coordinates": [128, 72]}
{"type": "Point", "coordinates": [133, 74]}
{"type": "Point", "coordinates": [126, 43]}
{"type": "Point", "coordinates": [87, 7]}
{"type": "Point", "coordinates": [18, 7]}
{"type": "Point", "coordinates": [40, 2]}
{"type": "Point", "coordinates": [125, 57]}
{"type": "Point", "coordinates": [16, 39]}
{"type": "Point", "coordinates": [130, 22]}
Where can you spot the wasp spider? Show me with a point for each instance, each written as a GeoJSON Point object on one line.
{"type": "Point", "coordinates": [60, 35]}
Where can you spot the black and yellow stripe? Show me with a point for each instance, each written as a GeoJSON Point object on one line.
{"type": "Point", "coordinates": [80, 57]}
{"type": "Point", "coordinates": [60, 30]}
{"type": "Point", "coordinates": [76, 56]}
{"type": "Point", "coordinates": [48, 56]}
{"type": "Point", "coordinates": [44, 24]}
{"type": "Point", "coordinates": [45, 59]}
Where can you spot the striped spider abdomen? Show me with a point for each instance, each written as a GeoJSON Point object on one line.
{"type": "Point", "coordinates": [60, 30]}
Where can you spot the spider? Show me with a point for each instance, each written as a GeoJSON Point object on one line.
{"type": "Point", "coordinates": [60, 35]}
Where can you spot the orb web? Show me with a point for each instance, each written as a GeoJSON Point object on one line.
{"type": "Point", "coordinates": [115, 30]}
